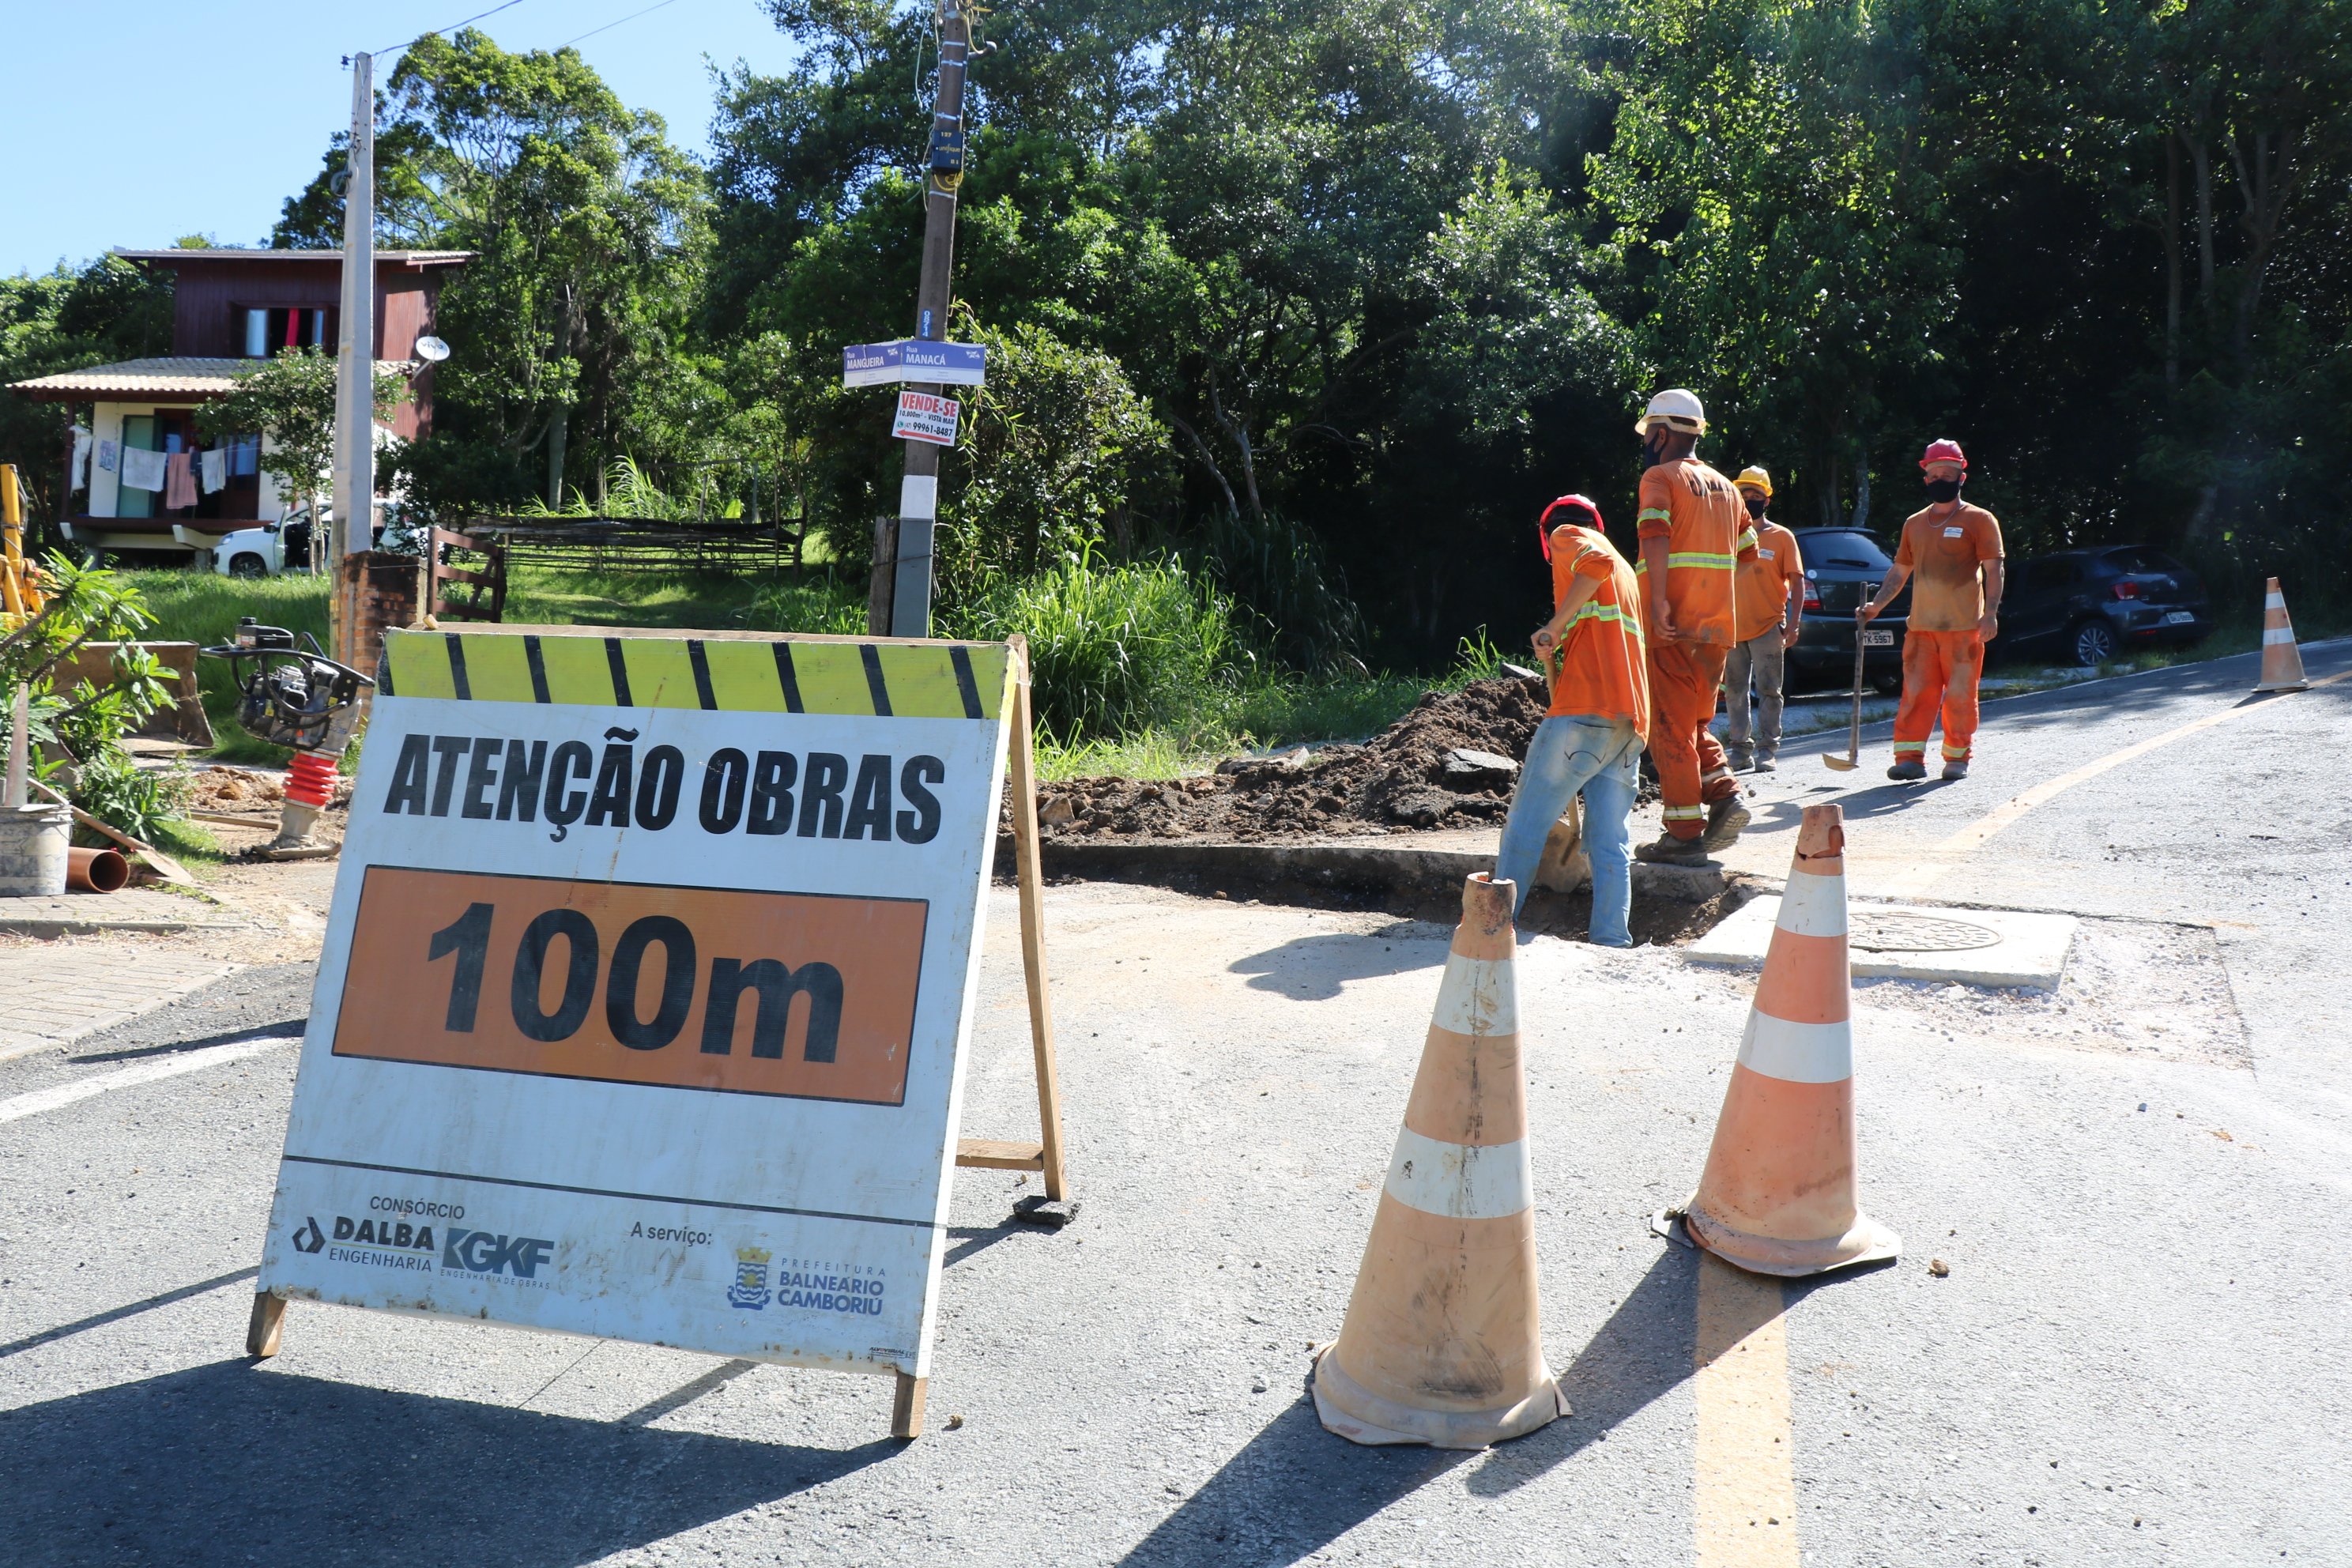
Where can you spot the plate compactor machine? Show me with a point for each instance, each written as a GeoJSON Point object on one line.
{"type": "Point", "coordinates": [294, 695]}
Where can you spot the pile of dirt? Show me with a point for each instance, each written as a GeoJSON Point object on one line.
{"type": "Point", "coordinates": [234, 790]}
{"type": "Point", "coordinates": [1450, 762]}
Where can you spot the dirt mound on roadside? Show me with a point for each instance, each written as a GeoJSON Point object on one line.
{"type": "Point", "coordinates": [234, 790]}
{"type": "Point", "coordinates": [1450, 762]}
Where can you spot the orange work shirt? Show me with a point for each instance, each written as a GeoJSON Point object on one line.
{"type": "Point", "coordinates": [1947, 553]}
{"type": "Point", "coordinates": [1601, 671]}
{"type": "Point", "coordinates": [1703, 521]}
{"type": "Point", "coordinates": [1762, 580]}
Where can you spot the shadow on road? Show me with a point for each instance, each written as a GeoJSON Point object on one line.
{"type": "Point", "coordinates": [224, 1461]}
{"type": "Point", "coordinates": [1296, 1488]}
{"type": "Point", "coordinates": [1317, 968]}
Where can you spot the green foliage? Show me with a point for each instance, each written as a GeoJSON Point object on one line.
{"type": "Point", "coordinates": [1052, 446]}
{"type": "Point", "coordinates": [1117, 650]}
{"type": "Point", "coordinates": [807, 604]}
{"type": "Point", "coordinates": [143, 802]}
{"type": "Point", "coordinates": [85, 719]}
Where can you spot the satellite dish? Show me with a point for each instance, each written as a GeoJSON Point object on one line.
{"type": "Point", "coordinates": [432, 351]}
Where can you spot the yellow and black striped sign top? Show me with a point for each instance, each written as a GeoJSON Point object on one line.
{"type": "Point", "coordinates": [737, 675]}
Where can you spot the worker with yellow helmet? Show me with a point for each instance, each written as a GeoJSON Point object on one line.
{"type": "Point", "coordinates": [1769, 606]}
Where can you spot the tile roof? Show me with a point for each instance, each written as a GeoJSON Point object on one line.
{"type": "Point", "coordinates": [233, 253]}
{"type": "Point", "coordinates": [135, 378]}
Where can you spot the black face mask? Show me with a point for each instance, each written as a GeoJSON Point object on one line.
{"type": "Point", "coordinates": [1756, 505]}
{"type": "Point", "coordinates": [1943, 490]}
{"type": "Point", "coordinates": [1654, 452]}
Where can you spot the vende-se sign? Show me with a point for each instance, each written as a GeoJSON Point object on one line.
{"type": "Point", "coordinates": [648, 974]}
{"type": "Point", "coordinates": [924, 416]}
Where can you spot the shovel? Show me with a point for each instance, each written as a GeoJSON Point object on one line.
{"type": "Point", "coordinates": [1853, 758]}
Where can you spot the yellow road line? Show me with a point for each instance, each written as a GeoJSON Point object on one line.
{"type": "Point", "coordinates": [1746, 1502]}
{"type": "Point", "coordinates": [1931, 866]}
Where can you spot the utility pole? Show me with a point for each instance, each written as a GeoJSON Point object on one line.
{"type": "Point", "coordinates": [904, 610]}
{"type": "Point", "coordinates": [354, 473]}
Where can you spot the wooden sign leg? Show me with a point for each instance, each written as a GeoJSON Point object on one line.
{"type": "Point", "coordinates": [907, 1407]}
{"type": "Point", "coordinates": [1030, 872]}
{"type": "Point", "coordinates": [261, 1330]}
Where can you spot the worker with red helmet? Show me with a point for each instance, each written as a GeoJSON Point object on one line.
{"type": "Point", "coordinates": [1694, 531]}
{"type": "Point", "coordinates": [1954, 552]}
{"type": "Point", "coordinates": [1591, 739]}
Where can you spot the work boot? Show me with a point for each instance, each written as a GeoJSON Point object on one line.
{"type": "Point", "coordinates": [1725, 818]}
{"type": "Point", "coordinates": [1907, 769]}
{"type": "Point", "coordinates": [1956, 768]}
{"type": "Point", "coordinates": [1739, 759]}
{"type": "Point", "coordinates": [1764, 762]}
{"type": "Point", "coordinates": [1670, 850]}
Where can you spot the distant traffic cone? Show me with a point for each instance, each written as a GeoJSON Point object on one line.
{"type": "Point", "coordinates": [1778, 1195]}
{"type": "Point", "coordinates": [2282, 660]}
{"type": "Point", "coordinates": [1440, 1344]}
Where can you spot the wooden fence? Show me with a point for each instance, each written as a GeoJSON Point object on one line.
{"type": "Point", "coordinates": [634, 544]}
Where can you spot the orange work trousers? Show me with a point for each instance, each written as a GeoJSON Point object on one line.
{"type": "Point", "coordinates": [1685, 679]}
{"type": "Point", "coordinates": [1939, 669]}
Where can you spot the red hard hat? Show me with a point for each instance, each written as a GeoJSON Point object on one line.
{"type": "Point", "coordinates": [1944, 450]}
{"type": "Point", "coordinates": [1543, 524]}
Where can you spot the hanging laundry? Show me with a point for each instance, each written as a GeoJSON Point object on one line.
{"type": "Point", "coordinates": [108, 454]}
{"type": "Point", "coordinates": [78, 471]}
{"type": "Point", "coordinates": [142, 470]}
{"type": "Point", "coordinates": [215, 465]}
{"type": "Point", "coordinates": [180, 479]}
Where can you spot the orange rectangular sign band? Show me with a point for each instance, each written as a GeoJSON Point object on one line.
{"type": "Point", "coordinates": [708, 988]}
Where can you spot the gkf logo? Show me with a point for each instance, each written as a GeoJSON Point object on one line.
{"type": "Point", "coordinates": [479, 1252]}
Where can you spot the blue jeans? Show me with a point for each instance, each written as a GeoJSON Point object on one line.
{"type": "Point", "coordinates": [1600, 757]}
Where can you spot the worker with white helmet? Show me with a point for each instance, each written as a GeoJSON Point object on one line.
{"type": "Point", "coordinates": [1770, 594]}
{"type": "Point", "coordinates": [1956, 551]}
{"type": "Point", "coordinates": [1693, 532]}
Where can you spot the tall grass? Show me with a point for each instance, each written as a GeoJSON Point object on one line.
{"type": "Point", "coordinates": [1120, 650]}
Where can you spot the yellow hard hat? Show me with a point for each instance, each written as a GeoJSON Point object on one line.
{"type": "Point", "coordinates": [1754, 475]}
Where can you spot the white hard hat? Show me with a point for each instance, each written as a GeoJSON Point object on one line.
{"type": "Point", "coordinates": [1676, 408]}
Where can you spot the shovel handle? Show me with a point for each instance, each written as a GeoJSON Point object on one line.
{"type": "Point", "coordinates": [1854, 727]}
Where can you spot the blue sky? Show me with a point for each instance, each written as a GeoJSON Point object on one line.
{"type": "Point", "coordinates": [136, 122]}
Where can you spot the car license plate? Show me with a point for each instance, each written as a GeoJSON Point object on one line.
{"type": "Point", "coordinates": [1876, 636]}
{"type": "Point", "coordinates": [2178, 617]}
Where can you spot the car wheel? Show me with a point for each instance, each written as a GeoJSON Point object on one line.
{"type": "Point", "coordinates": [1888, 683]}
{"type": "Point", "coordinates": [248, 565]}
{"type": "Point", "coordinates": [2094, 644]}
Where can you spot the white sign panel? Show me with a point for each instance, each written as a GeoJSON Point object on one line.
{"type": "Point", "coordinates": [922, 417]}
{"type": "Point", "coordinates": [649, 971]}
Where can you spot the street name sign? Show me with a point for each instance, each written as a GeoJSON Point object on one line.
{"type": "Point", "coordinates": [913, 359]}
{"type": "Point", "coordinates": [643, 1006]}
{"type": "Point", "coordinates": [926, 417]}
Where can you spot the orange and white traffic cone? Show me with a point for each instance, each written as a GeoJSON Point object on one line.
{"type": "Point", "coordinates": [2282, 660]}
{"type": "Point", "coordinates": [1778, 1193]}
{"type": "Point", "coordinates": [1440, 1344]}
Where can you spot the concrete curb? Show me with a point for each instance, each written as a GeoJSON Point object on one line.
{"type": "Point", "coordinates": [1342, 868]}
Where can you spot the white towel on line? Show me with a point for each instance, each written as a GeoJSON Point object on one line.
{"type": "Point", "coordinates": [142, 470]}
{"type": "Point", "coordinates": [213, 466]}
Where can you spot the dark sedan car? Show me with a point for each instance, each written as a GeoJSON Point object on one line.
{"type": "Point", "coordinates": [1841, 566]}
{"type": "Point", "coordinates": [2088, 605]}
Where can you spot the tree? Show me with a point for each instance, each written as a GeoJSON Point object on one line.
{"type": "Point", "coordinates": [62, 319]}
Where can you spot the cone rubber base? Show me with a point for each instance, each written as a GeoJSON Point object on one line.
{"type": "Point", "coordinates": [1357, 1413]}
{"type": "Point", "coordinates": [2282, 686]}
{"type": "Point", "coordinates": [1868, 1242]}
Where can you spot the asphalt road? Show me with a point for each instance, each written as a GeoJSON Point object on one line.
{"type": "Point", "coordinates": [2139, 1355]}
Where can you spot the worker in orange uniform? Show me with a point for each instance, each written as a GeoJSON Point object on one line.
{"type": "Point", "coordinates": [1768, 590]}
{"type": "Point", "coordinates": [1592, 737]}
{"type": "Point", "coordinates": [1955, 550]}
{"type": "Point", "coordinates": [1694, 533]}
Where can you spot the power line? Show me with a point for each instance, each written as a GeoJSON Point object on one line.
{"type": "Point", "coordinates": [396, 48]}
{"type": "Point", "coordinates": [616, 22]}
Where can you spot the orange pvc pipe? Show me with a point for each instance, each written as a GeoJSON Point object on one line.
{"type": "Point", "coordinates": [96, 870]}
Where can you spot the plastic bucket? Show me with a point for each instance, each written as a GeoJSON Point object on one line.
{"type": "Point", "coordinates": [33, 844]}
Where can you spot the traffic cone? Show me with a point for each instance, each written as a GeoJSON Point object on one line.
{"type": "Point", "coordinates": [1778, 1193]}
{"type": "Point", "coordinates": [1440, 1344]}
{"type": "Point", "coordinates": [2282, 660]}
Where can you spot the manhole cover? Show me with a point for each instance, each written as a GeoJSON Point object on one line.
{"type": "Point", "coordinates": [1876, 932]}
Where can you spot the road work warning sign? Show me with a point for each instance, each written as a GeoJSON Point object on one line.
{"type": "Point", "coordinates": [642, 1008]}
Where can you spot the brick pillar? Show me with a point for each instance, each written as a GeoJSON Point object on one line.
{"type": "Point", "coordinates": [381, 591]}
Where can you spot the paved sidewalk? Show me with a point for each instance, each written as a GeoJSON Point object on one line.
{"type": "Point", "coordinates": [52, 995]}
